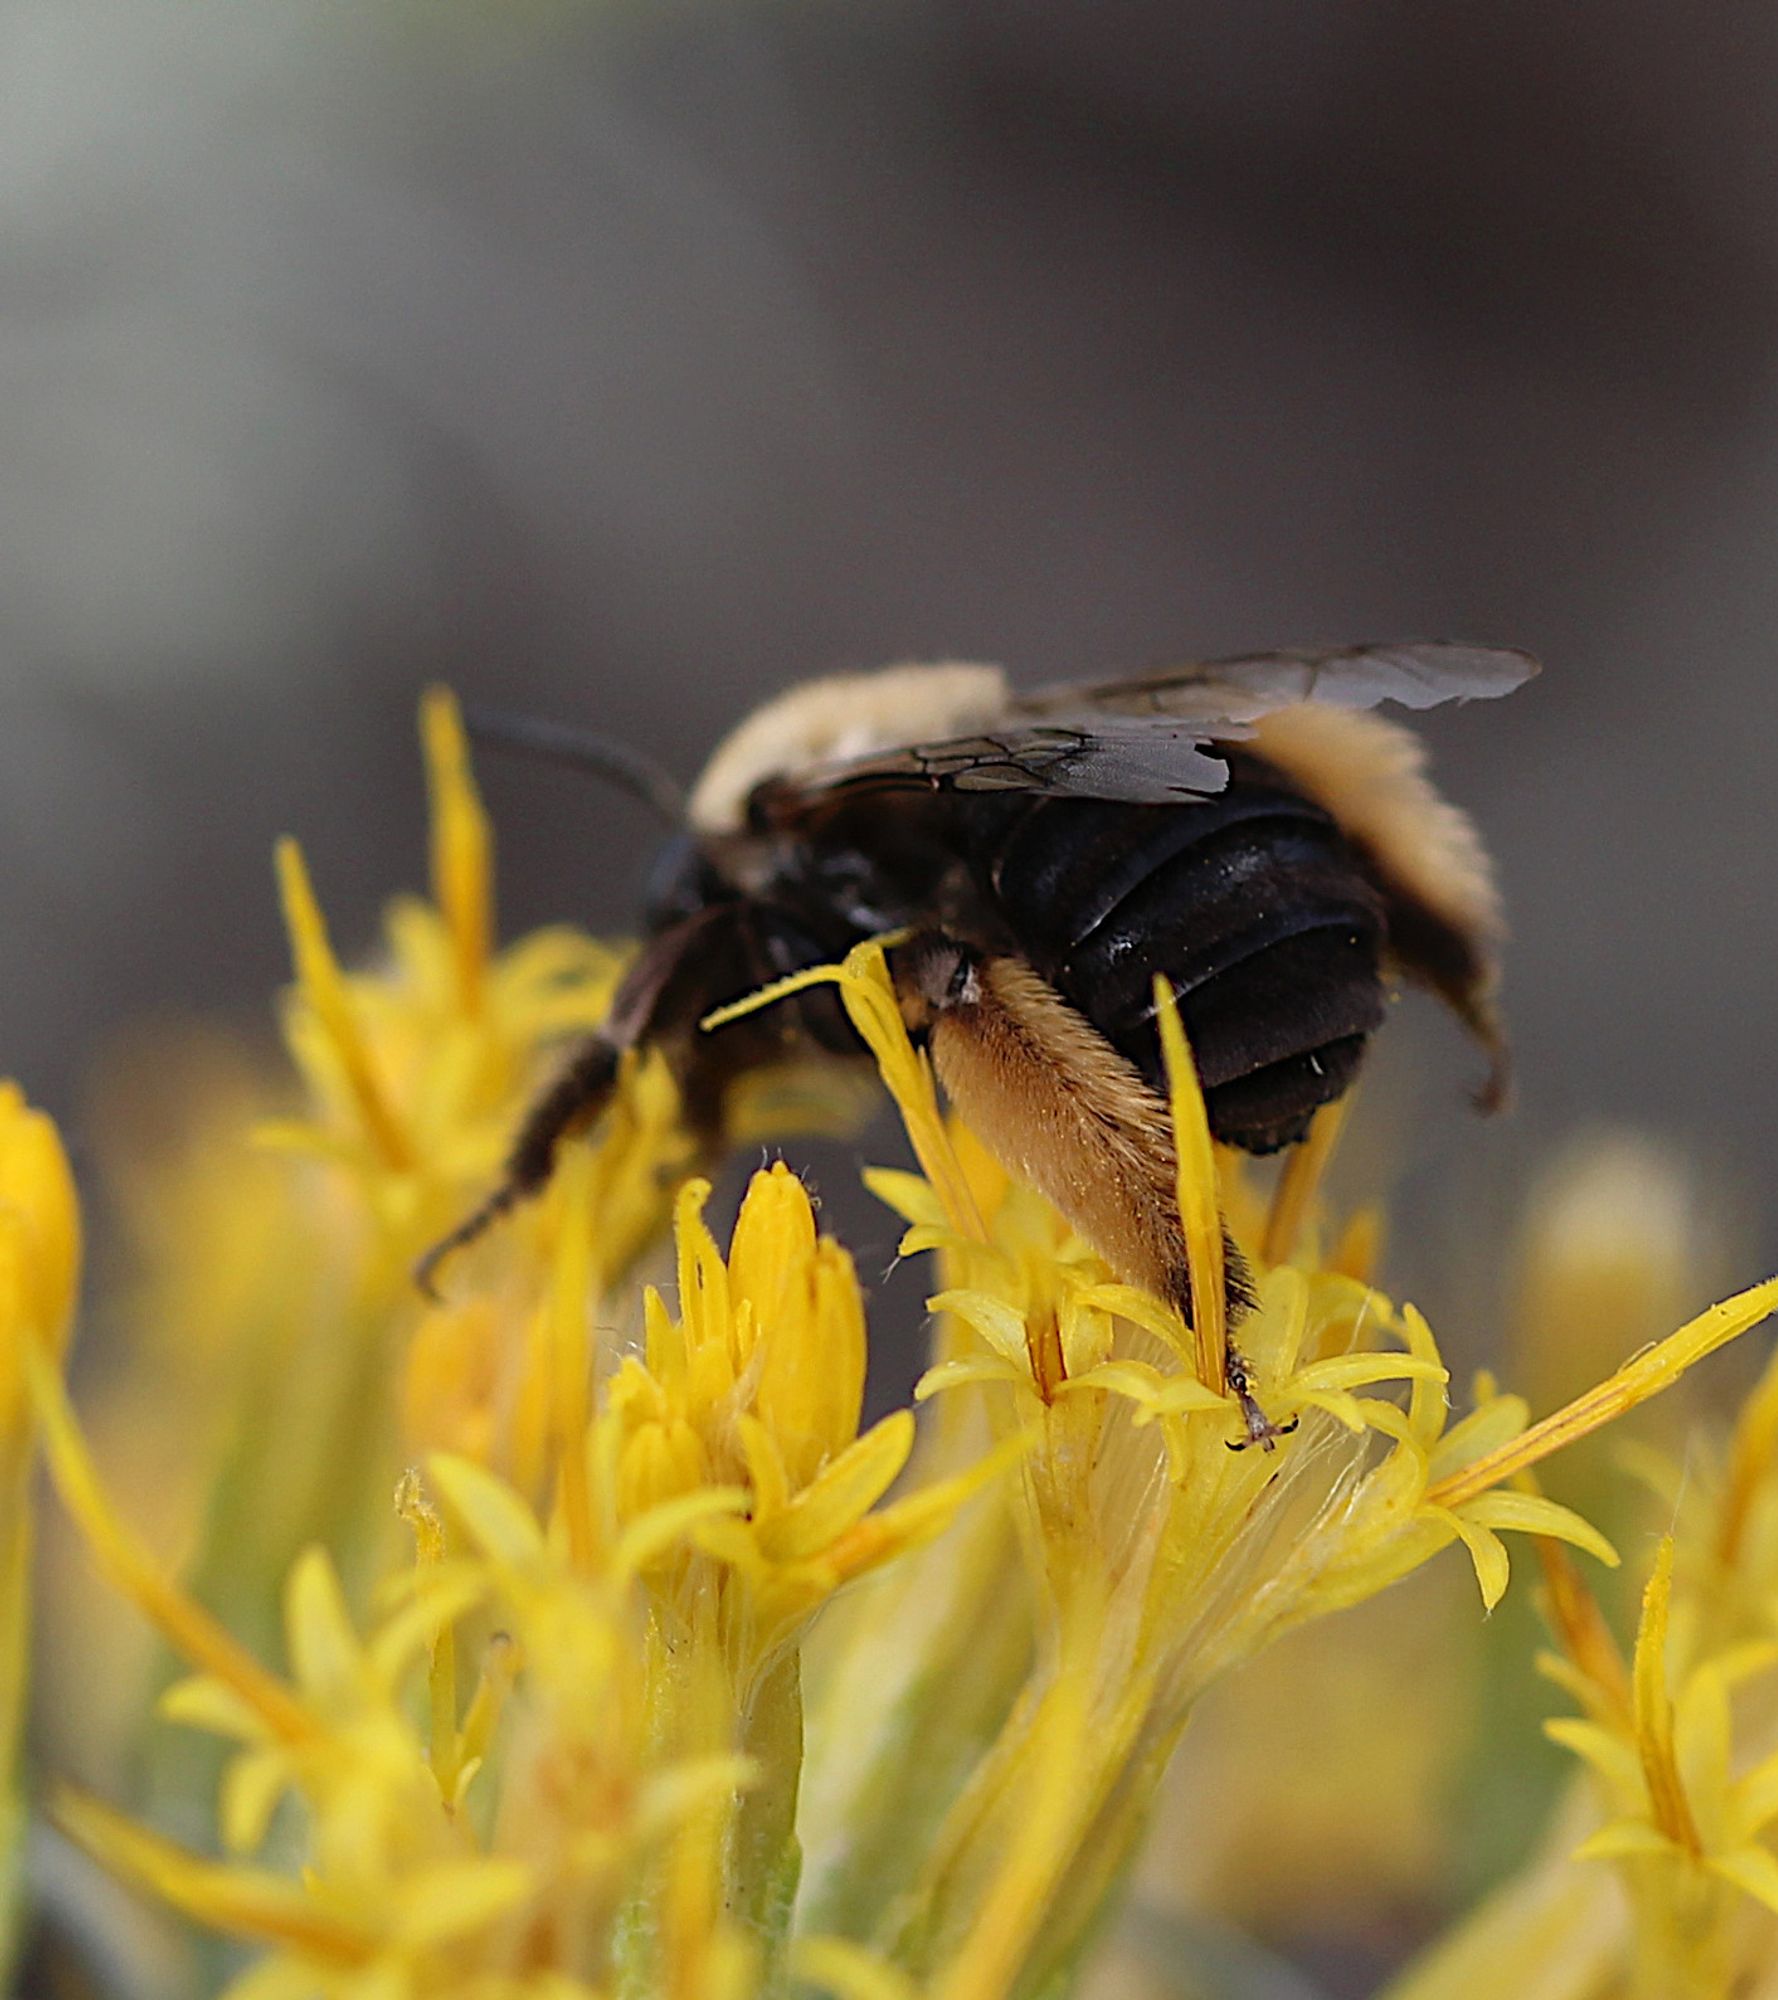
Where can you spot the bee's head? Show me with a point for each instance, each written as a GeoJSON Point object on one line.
{"type": "Point", "coordinates": [682, 881]}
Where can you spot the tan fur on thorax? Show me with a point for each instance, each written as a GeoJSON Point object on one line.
{"type": "Point", "coordinates": [1370, 773]}
{"type": "Point", "coordinates": [1057, 1104]}
{"type": "Point", "coordinates": [845, 715]}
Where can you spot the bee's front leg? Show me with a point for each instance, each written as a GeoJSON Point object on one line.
{"type": "Point", "coordinates": [579, 1093]}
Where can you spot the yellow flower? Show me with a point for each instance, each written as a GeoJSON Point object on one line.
{"type": "Point", "coordinates": [39, 1272]}
{"type": "Point", "coordinates": [1686, 1827]}
{"type": "Point", "coordinates": [1163, 1566]}
{"type": "Point", "coordinates": [1680, 1747]}
{"type": "Point", "coordinates": [39, 1253]}
{"type": "Point", "coordinates": [758, 1385]}
{"type": "Point", "coordinates": [552, 1742]}
{"type": "Point", "coordinates": [414, 1072]}
{"type": "Point", "coordinates": [400, 1892]}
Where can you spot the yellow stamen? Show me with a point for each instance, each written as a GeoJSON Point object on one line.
{"type": "Point", "coordinates": [570, 1353]}
{"type": "Point", "coordinates": [429, 1548]}
{"type": "Point", "coordinates": [500, 1669]}
{"type": "Point", "coordinates": [1293, 1199]}
{"type": "Point", "coordinates": [1013, 1906]}
{"type": "Point", "coordinates": [1646, 1375]}
{"type": "Point", "coordinates": [1043, 1340]}
{"type": "Point", "coordinates": [847, 1971]}
{"type": "Point", "coordinates": [1581, 1630]}
{"type": "Point", "coordinates": [1751, 1459]}
{"type": "Point", "coordinates": [869, 997]}
{"type": "Point", "coordinates": [324, 988]}
{"type": "Point", "coordinates": [462, 845]}
{"type": "Point", "coordinates": [1668, 1805]}
{"type": "Point", "coordinates": [1198, 1212]}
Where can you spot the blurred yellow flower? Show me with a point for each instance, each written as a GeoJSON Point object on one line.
{"type": "Point", "coordinates": [39, 1270]}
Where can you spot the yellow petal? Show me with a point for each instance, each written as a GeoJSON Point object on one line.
{"type": "Point", "coordinates": [1614, 1759]}
{"type": "Point", "coordinates": [252, 1787]}
{"type": "Point", "coordinates": [1703, 1741]}
{"type": "Point", "coordinates": [1531, 1514]}
{"type": "Point", "coordinates": [325, 1655]}
{"type": "Point", "coordinates": [1426, 1399]}
{"type": "Point", "coordinates": [455, 1897]}
{"type": "Point", "coordinates": [812, 1362]}
{"type": "Point", "coordinates": [659, 1463]}
{"type": "Point", "coordinates": [1496, 1422]}
{"type": "Point", "coordinates": [734, 1542]}
{"type": "Point", "coordinates": [704, 1312]}
{"type": "Point", "coordinates": [1756, 1796]}
{"type": "Point", "coordinates": [1352, 1411]}
{"type": "Point", "coordinates": [1353, 1371]}
{"type": "Point", "coordinates": [1000, 1324]}
{"type": "Point", "coordinates": [323, 987]}
{"type": "Point", "coordinates": [765, 1469]}
{"type": "Point", "coordinates": [1141, 1309]}
{"type": "Point", "coordinates": [908, 1195]}
{"type": "Point", "coordinates": [445, 1594]}
{"type": "Point", "coordinates": [868, 995]}
{"type": "Point", "coordinates": [1389, 1418]}
{"type": "Point", "coordinates": [247, 1902]}
{"type": "Point", "coordinates": [203, 1703]}
{"type": "Point", "coordinates": [1625, 1840]}
{"type": "Point", "coordinates": [462, 846]}
{"type": "Point", "coordinates": [1752, 1869]}
{"type": "Point", "coordinates": [1486, 1551]}
{"type": "Point", "coordinates": [277, 1978]}
{"type": "Point", "coordinates": [921, 1517]}
{"type": "Point", "coordinates": [962, 1374]}
{"type": "Point", "coordinates": [1153, 1393]}
{"type": "Point", "coordinates": [848, 1488]}
{"type": "Point", "coordinates": [495, 1516]}
{"type": "Point", "coordinates": [196, 1636]}
{"type": "Point", "coordinates": [772, 1242]}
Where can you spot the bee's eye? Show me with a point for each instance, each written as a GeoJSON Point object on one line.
{"type": "Point", "coordinates": [680, 883]}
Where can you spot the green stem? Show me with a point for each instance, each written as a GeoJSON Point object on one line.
{"type": "Point", "coordinates": [764, 1858]}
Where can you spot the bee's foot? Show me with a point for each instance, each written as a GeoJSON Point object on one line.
{"type": "Point", "coordinates": [1261, 1430]}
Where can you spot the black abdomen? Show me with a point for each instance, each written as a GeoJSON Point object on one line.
{"type": "Point", "coordinates": [1252, 904]}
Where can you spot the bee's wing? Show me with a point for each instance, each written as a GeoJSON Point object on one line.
{"type": "Point", "coordinates": [1152, 739]}
{"type": "Point", "coordinates": [1104, 758]}
{"type": "Point", "coordinates": [1211, 695]}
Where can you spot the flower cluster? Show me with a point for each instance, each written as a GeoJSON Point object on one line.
{"type": "Point", "coordinates": [579, 1637]}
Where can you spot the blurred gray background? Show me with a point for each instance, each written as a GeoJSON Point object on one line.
{"type": "Point", "coordinates": [622, 363]}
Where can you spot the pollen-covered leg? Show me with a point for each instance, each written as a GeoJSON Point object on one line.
{"type": "Point", "coordinates": [570, 1103]}
{"type": "Point", "coordinates": [1060, 1107]}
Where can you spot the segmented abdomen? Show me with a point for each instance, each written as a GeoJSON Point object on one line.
{"type": "Point", "coordinates": [1251, 903]}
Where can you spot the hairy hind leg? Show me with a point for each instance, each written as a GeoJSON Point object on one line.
{"type": "Point", "coordinates": [572, 1101]}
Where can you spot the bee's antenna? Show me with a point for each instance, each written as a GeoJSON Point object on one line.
{"type": "Point", "coordinates": [562, 743]}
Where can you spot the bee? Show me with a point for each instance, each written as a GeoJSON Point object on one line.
{"type": "Point", "coordinates": [1250, 828]}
